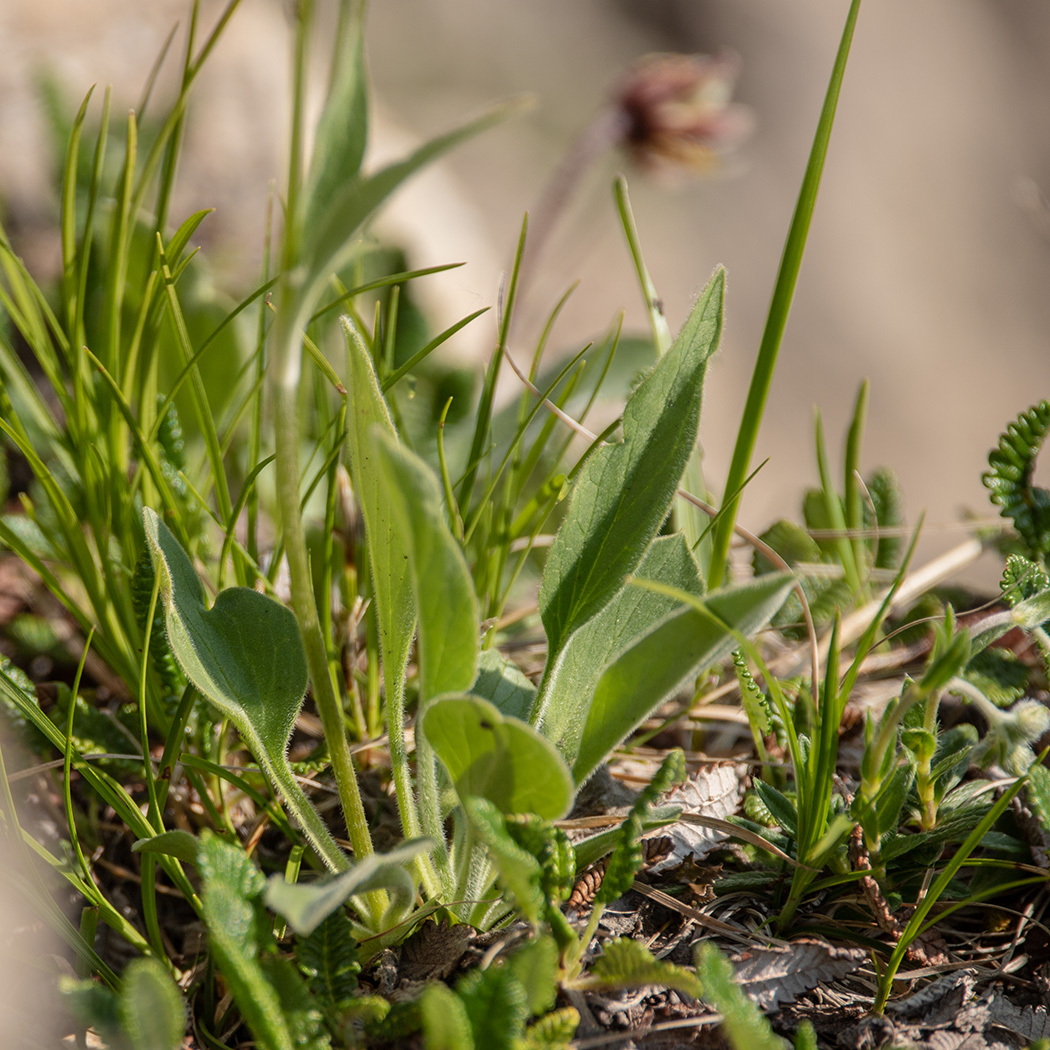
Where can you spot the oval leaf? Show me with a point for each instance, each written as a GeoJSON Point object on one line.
{"type": "Point", "coordinates": [497, 758]}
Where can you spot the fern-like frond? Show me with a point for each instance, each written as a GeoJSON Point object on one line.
{"type": "Point", "coordinates": [328, 958]}
{"type": "Point", "coordinates": [1009, 481]}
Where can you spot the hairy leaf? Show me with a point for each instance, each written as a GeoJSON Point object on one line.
{"type": "Point", "coordinates": [328, 958]}
{"type": "Point", "coordinates": [623, 492]}
{"type": "Point", "coordinates": [536, 967]}
{"type": "Point", "coordinates": [553, 1031]}
{"type": "Point", "coordinates": [307, 905]}
{"type": "Point", "coordinates": [243, 654]}
{"type": "Point", "coordinates": [551, 848]}
{"type": "Point", "coordinates": [231, 884]}
{"type": "Point", "coordinates": [388, 546]}
{"type": "Point", "coordinates": [627, 963]}
{"type": "Point", "coordinates": [520, 873]}
{"type": "Point", "coordinates": [497, 1006]}
{"type": "Point", "coordinates": [570, 680]}
{"type": "Point", "coordinates": [151, 1007]}
{"type": "Point", "coordinates": [444, 592]}
{"type": "Point", "coordinates": [744, 1025]}
{"type": "Point", "coordinates": [497, 758]}
{"type": "Point", "coordinates": [446, 1025]}
{"type": "Point", "coordinates": [501, 682]}
{"type": "Point", "coordinates": [677, 648]}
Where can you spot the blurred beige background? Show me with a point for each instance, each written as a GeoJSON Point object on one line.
{"type": "Point", "coordinates": [923, 272]}
{"type": "Point", "coordinates": [926, 271]}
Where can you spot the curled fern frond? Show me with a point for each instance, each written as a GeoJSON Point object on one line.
{"type": "Point", "coordinates": [1021, 579]}
{"type": "Point", "coordinates": [1009, 481]}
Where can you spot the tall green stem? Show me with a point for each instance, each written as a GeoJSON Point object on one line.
{"type": "Point", "coordinates": [779, 308]}
{"type": "Point", "coordinates": [286, 373]}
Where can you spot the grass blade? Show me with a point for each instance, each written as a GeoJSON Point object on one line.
{"type": "Point", "coordinates": [779, 307]}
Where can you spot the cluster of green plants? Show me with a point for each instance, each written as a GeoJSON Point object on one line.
{"type": "Point", "coordinates": [191, 461]}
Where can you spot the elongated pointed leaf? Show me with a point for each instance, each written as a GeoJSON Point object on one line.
{"type": "Point", "coordinates": [496, 758]}
{"type": "Point", "coordinates": [444, 592]}
{"type": "Point", "coordinates": [342, 130]}
{"type": "Point", "coordinates": [623, 492]}
{"type": "Point", "coordinates": [388, 548]}
{"type": "Point", "coordinates": [570, 682]}
{"type": "Point", "coordinates": [356, 198]}
{"type": "Point", "coordinates": [677, 648]}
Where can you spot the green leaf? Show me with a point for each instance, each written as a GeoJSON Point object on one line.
{"type": "Point", "coordinates": [743, 1022]}
{"type": "Point", "coordinates": [626, 859]}
{"type": "Point", "coordinates": [179, 844]}
{"type": "Point", "coordinates": [307, 905]}
{"type": "Point", "coordinates": [443, 589]}
{"type": "Point", "coordinates": [231, 885]}
{"type": "Point", "coordinates": [677, 648]}
{"type": "Point", "coordinates": [780, 807]}
{"type": "Point", "coordinates": [300, 1010]}
{"type": "Point", "coordinates": [342, 129]}
{"type": "Point", "coordinates": [627, 963]}
{"type": "Point", "coordinates": [1009, 481]}
{"type": "Point", "coordinates": [151, 1007]}
{"type": "Point", "coordinates": [553, 1031]}
{"type": "Point", "coordinates": [497, 758]}
{"type": "Point", "coordinates": [892, 796]}
{"type": "Point", "coordinates": [504, 684]}
{"type": "Point", "coordinates": [355, 199]}
{"type": "Point", "coordinates": [388, 557]}
{"type": "Point", "coordinates": [519, 871]}
{"type": "Point", "coordinates": [388, 551]}
{"type": "Point", "coordinates": [623, 492]}
{"type": "Point", "coordinates": [496, 1004]}
{"type": "Point", "coordinates": [243, 654]}
{"type": "Point", "coordinates": [887, 511]}
{"type": "Point", "coordinates": [446, 1025]}
{"type": "Point", "coordinates": [536, 967]}
{"type": "Point", "coordinates": [1037, 796]}
{"type": "Point", "coordinates": [329, 959]}
{"type": "Point", "coordinates": [571, 678]}
{"type": "Point", "coordinates": [94, 1006]}
{"type": "Point", "coordinates": [551, 847]}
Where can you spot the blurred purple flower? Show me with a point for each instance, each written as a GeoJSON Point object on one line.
{"type": "Point", "coordinates": [675, 111]}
